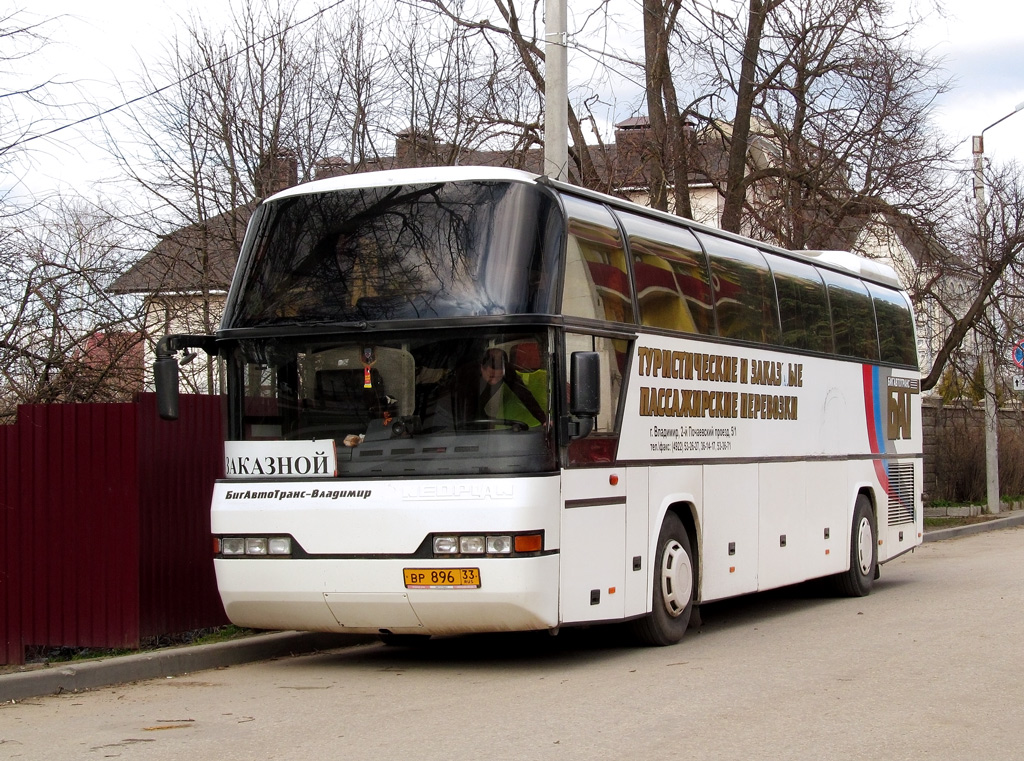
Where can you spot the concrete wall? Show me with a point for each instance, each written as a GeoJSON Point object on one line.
{"type": "Point", "coordinates": [954, 451]}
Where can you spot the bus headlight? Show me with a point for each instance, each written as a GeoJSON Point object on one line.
{"type": "Point", "coordinates": [487, 544]}
{"type": "Point", "coordinates": [471, 545]}
{"type": "Point", "coordinates": [280, 545]}
{"type": "Point", "coordinates": [253, 546]}
{"type": "Point", "coordinates": [446, 545]}
{"type": "Point", "coordinates": [499, 545]}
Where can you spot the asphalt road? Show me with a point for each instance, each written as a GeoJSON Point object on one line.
{"type": "Point", "coordinates": [927, 667]}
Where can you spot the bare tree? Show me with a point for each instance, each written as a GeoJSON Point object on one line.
{"type": "Point", "coordinates": [251, 110]}
{"type": "Point", "coordinates": [268, 101]}
{"type": "Point", "coordinates": [989, 271]}
{"type": "Point", "coordinates": [239, 100]}
{"type": "Point", "coordinates": [823, 111]}
{"type": "Point", "coordinates": [64, 337]}
{"type": "Point", "coordinates": [748, 86]}
{"type": "Point", "coordinates": [355, 59]}
{"type": "Point", "coordinates": [457, 91]}
{"type": "Point", "coordinates": [33, 103]}
{"type": "Point", "coordinates": [668, 155]}
{"type": "Point", "coordinates": [522, 29]}
{"type": "Point", "coordinates": [20, 104]}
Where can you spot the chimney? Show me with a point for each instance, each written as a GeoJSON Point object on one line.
{"type": "Point", "coordinates": [276, 172]}
{"type": "Point", "coordinates": [332, 166]}
{"type": "Point", "coordinates": [632, 131]}
{"type": "Point", "coordinates": [632, 146]}
{"type": "Point", "coordinates": [414, 147]}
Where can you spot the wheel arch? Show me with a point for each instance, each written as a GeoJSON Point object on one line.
{"type": "Point", "coordinates": [686, 511]}
{"type": "Point", "coordinates": [868, 492]}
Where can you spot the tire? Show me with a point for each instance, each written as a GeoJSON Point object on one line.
{"type": "Point", "coordinates": [672, 599]}
{"type": "Point", "coordinates": [857, 581]}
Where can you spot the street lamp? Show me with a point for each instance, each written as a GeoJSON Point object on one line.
{"type": "Point", "coordinates": [987, 353]}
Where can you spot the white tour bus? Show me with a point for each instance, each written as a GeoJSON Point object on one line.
{"type": "Point", "coordinates": [473, 399]}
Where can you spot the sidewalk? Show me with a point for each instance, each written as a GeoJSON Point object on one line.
{"type": "Point", "coordinates": [103, 672]}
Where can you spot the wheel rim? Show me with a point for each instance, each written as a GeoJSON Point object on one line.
{"type": "Point", "coordinates": [865, 546]}
{"type": "Point", "coordinates": [676, 579]}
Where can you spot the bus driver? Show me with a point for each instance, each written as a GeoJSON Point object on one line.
{"type": "Point", "coordinates": [500, 394]}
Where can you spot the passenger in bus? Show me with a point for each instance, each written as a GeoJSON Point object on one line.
{"type": "Point", "coordinates": [500, 394]}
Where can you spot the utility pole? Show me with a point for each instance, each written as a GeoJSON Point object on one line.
{"type": "Point", "coordinates": [556, 91]}
{"type": "Point", "coordinates": [988, 364]}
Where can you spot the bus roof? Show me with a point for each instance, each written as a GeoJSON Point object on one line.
{"type": "Point", "coordinates": [843, 261]}
{"type": "Point", "coordinates": [417, 176]}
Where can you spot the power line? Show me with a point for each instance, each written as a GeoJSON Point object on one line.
{"type": "Point", "coordinates": [181, 81]}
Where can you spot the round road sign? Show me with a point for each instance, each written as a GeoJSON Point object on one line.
{"type": "Point", "coordinates": [1018, 354]}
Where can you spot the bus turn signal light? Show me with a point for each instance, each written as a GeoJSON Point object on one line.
{"type": "Point", "coordinates": [529, 543]}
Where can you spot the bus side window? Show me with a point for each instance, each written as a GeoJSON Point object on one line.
{"type": "Point", "coordinates": [596, 277]}
{"type": "Point", "coordinates": [895, 326]}
{"type": "Point", "coordinates": [853, 316]}
{"type": "Point", "coordinates": [601, 445]}
{"type": "Point", "coordinates": [672, 280]}
{"type": "Point", "coordinates": [745, 302]}
{"type": "Point", "coordinates": [803, 305]}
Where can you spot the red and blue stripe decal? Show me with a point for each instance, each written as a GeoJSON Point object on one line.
{"type": "Point", "coordinates": [875, 395]}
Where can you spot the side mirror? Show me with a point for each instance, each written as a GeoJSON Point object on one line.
{"type": "Point", "coordinates": [165, 368]}
{"type": "Point", "coordinates": [584, 392]}
{"type": "Point", "coordinates": [165, 374]}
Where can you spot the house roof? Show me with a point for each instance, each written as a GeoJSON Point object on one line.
{"type": "Point", "coordinates": [191, 259]}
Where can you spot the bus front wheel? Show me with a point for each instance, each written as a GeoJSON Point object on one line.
{"type": "Point", "coordinates": [857, 581]}
{"type": "Point", "coordinates": [672, 600]}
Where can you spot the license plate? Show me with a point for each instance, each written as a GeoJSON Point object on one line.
{"type": "Point", "coordinates": [442, 578]}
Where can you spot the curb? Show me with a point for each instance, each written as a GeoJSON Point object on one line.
{"type": "Point", "coordinates": [103, 672]}
{"type": "Point", "coordinates": [974, 528]}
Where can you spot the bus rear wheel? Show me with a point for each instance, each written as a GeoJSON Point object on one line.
{"type": "Point", "coordinates": [672, 600]}
{"type": "Point", "coordinates": [858, 580]}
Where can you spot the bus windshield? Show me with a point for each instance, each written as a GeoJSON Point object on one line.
{"type": "Point", "coordinates": [451, 403]}
{"type": "Point", "coordinates": [399, 252]}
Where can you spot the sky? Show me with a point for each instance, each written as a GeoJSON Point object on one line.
{"type": "Point", "coordinates": [99, 46]}
{"type": "Point", "coordinates": [982, 44]}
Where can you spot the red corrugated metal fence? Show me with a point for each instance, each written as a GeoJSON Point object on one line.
{"type": "Point", "coordinates": [105, 524]}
